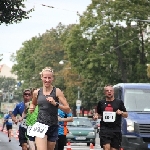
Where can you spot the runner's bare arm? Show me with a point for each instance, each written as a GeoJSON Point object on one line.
{"type": "Point", "coordinates": [13, 117]}
{"type": "Point", "coordinates": [23, 114]}
{"type": "Point", "coordinates": [124, 114]}
{"type": "Point", "coordinates": [68, 119]}
{"type": "Point", "coordinates": [64, 106]}
{"type": "Point", "coordinates": [34, 101]}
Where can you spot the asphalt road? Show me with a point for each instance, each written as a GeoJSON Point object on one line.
{"type": "Point", "coordinates": [5, 145]}
{"type": "Point", "coordinates": [14, 144]}
{"type": "Point", "coordinates": [82, 146]}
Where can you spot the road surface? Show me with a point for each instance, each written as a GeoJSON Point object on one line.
{"type": "Point", "coordinates": [14, 144]}
{"type": "Point", "coordinates": [5, 145]}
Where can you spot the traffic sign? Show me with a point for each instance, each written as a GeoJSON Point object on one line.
{"type": "Point", "coordinates": [78, 102]}
{"type": "Point", "coordinates": [78, 107]}
{"type": "Point", "coordinates": [78, 111]}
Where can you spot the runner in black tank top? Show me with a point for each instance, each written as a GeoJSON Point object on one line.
{"type": "Point", "coordinates": [47, 112]}
{"type": "Point", "coordinates": [48, 99]}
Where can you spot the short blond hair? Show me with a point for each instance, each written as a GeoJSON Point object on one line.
{"type": "Point", "coordinates": [46, 69]}
{"type": "Point", "coordinates": [108, 85]}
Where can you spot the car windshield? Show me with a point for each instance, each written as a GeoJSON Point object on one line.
{"type": "Point", "coordinates": [137, 99]}
{"type": "Point", "coordinates": [80, 122]}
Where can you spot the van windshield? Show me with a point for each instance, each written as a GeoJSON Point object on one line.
{"type": "Point", "coordinates": [137, 99]}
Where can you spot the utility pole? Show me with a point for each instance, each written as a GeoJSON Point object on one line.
{"type": "Point", "coordinates": [142, 59]}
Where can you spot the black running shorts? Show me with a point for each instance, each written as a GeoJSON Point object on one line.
{"type": "Point", "coordinates": [110, 137]}
{"type": "Point", "coordinates": [22, 135]}
{"type": "Point", "coordinates": [9, 127]}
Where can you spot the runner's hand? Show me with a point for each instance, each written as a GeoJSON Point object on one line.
{"type": "Point", "coordinates": [51, 100]}
{"type": "Point", "coordinates": [16, 121]}
{"type": "Point", "coordinates": [60, 119]}
{"type": "Point", "coordinates": [95, 117]}
{"type": "Point", "coordinates": [119, 112]}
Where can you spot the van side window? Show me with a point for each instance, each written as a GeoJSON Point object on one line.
{"type": "Point", "coordinates": [117, 92]}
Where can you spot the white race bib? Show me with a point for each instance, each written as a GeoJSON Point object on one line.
{"type": "Point", "coordinates": [39, 130]}
{"type": "Point", "coordinates": [10, 120]}
{"type": "Point", "coordinates": [23, 123]}
{"type": "Point", "coordinates": [109, 116]}
{"type": "Point", "coordinates": [29, 131]}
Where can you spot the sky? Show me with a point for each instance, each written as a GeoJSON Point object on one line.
{"type": "Point", "coordinates": [42, 19]}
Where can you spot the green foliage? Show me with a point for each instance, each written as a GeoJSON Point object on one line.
{"type": "Point", "coordinates": [12, 11]}
{"type": "Point", "coordinates": [104, 47]}
{"type": "Point", "coordinates": [7, 83]}
{"type": "Point", "coordinates": [39, 52]}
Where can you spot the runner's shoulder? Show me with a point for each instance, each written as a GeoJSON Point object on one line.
{"type": "Point", "coordinates": [117, 100]}
{"type": "Point", "coordinates": [102, 101]}
{"type": "Point", "coordinates": [19, 104]}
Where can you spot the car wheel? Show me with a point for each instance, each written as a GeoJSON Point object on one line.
{"type": "Point", "coordinates": [93, 144]}
{"type": "Point", "coordinates": [88, 144]}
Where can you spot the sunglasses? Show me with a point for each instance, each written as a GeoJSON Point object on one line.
{"type": "Point", "coordinates": [27, 94]}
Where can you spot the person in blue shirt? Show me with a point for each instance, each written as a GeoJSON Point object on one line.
{"type": "Point", "coordinates": [4, 123]}
{"type": "Point", "coordinates": [19, 109]}
{"type": "Point", "coordinates": [63, 118]}
{"type": "Point", "coordinates": [8, 120]}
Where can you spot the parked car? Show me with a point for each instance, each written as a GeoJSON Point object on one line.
{"type": "Point", "coordinates": [93, 123]}
{"type": "Point", "coordinates": [81, 131]}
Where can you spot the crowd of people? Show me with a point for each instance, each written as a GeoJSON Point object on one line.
{"type": "Point", "coordinates": [44, 113]}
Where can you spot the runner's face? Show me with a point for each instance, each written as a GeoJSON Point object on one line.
{"type": "Point", "coordinates": [27, 96]}
{"type": "Point", "coordinates": [109, 92]}
{"type": "Point", "coordinates": [47, 78]}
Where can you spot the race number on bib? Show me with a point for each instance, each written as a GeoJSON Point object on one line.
{"type": "Point", "coordinates": [23, 123]}
{"type": "Point", "coordinates": [10, 120]}
{"type": "Point", "coordinates": [39, 130]}
{"type": "Point", "coordinates": [109, 116]}
{"type": "Point", "coordinates": [29, 131]}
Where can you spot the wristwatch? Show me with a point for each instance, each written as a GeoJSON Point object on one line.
{"type": "Point", "coordinates": [57, 104]}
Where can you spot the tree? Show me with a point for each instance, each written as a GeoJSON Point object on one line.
{"type": "Point", "coordinates": [46, 50]}
{"type": "Point", "coordinates": [103, 50]}
{"type": "Point", "coordinates": [25, 60]}
{"type": "Point", "coordinates": [12, 11]}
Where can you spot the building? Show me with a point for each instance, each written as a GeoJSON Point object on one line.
{"type": "Point", "coordinates": [6, 71]}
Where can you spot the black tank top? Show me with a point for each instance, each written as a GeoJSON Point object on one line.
{"type": "Point", "coordinates": [48, 113]}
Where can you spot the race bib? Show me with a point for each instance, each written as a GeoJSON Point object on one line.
{"type": "Point", "coordinates": [10, 120]}
{"type": "Point", "coordinates": [109, 116]}
{"type": "Point", "coordinates": [29, 131]}
{"type": "Point", "coordinates": [39, 130]}
{"type": "Point", "coordinates": [23, 124]}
